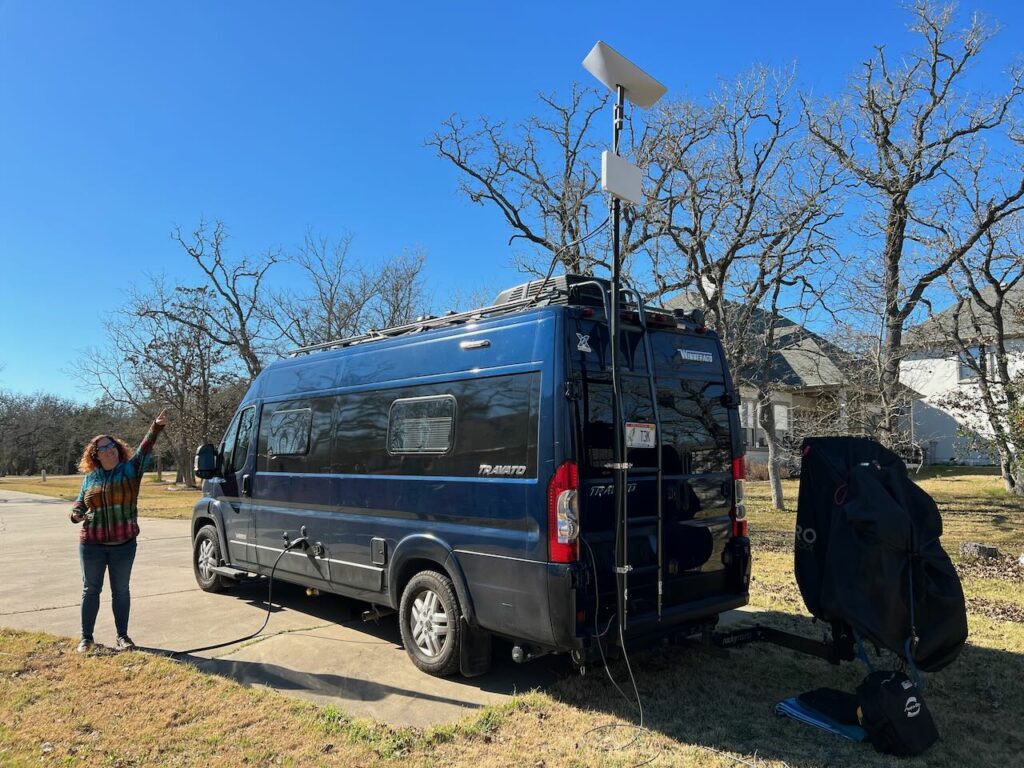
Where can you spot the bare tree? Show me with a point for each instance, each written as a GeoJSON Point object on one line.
{"type": "Point", "coordinates": [344, 297]}
{"type": "Point", "coordinates": [229, 302]}
{"type": "Point", "coordinates": [746, 206]}
{"type": "Point", "coordinates": [540, 175]}
{"type": "Point", "coordinates": [155, 361]}
{"type": "Point", "coordinates": [735, 204]}
{"type": "Point", "coordinates": [42, 431]}
{"type": "Point", "coordinates": [903, 132]}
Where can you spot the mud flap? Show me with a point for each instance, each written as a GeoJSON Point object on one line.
{"type": "Point", "coordinates": [475, 658]}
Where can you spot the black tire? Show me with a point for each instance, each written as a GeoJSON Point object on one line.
{"type": "Point", "coordinates": [206, 552]}
{"type": "Point", "coordinates": [430, 620]}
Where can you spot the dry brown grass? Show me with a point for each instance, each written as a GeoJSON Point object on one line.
{"type": "Point", "coordinates": [156, 499]}
{"type": "Point", "coordinates": [57, 707]}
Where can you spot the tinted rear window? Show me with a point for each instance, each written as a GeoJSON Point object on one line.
{"type": "Point", "coordinates": [694, 424]}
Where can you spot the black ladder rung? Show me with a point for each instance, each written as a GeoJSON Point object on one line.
{"type": "Point", "coordinates": [642, 569]}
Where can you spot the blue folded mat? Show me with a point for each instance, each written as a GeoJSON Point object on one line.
{"type": "Point", "coordinates": [803, 712]}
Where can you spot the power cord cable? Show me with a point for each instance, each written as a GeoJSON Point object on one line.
{"type": "Point", "coordinates": [301, 541]}
{"type": "Point", "coordinates": [639, 729]}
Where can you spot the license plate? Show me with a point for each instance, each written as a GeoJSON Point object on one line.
{"type": "Point", "coordinates": [639, 435]}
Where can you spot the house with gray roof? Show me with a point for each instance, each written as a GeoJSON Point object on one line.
{"type": "Point", "coordinates": [946, 413]}
{"type": "Point", "coordinates": [811, 394]}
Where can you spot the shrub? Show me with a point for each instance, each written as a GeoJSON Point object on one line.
{"type": "Point", "coordinates": [757, 470]}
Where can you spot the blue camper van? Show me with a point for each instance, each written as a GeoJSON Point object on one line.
{"type": "Point", "coordinates": [457, 471]}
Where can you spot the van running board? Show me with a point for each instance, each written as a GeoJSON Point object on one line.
{"type": "Point", "coordinates": [835, 650]}
{"type": "Point", "coordinates": [231, 573]}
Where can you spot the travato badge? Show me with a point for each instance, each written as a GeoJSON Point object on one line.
{"type": "Point", "coordinates": [696, 356]}
{"type": "Point", "coordinates": [502, 470]}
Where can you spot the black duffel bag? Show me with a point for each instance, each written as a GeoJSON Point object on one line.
{"type": "Point", "coordinates": [892, 711]}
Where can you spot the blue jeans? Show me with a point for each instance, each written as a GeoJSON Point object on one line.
{"type": "Point", "coordinates": [97, 558]}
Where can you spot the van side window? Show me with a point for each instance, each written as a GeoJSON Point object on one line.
{"type": "Point", "coordinates": [227, 445]}
{"type": "Point", "coordinates": [480, 423]}
{"type": "Point", "coordinates": [289, 432]}
{"type": "Point", "coordinates": [241, 450]}
{"type": "Point", "coordinates": [421, 425]}
{"type": "Point", "coordinates": [295, 436]}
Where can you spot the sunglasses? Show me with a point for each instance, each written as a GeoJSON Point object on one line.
{"type": "Point", "coordinates": [106, 447]}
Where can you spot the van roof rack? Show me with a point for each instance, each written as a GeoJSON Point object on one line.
{"type": "Point", "coordinates": [563, 289]}
{"type": "Point", "coordinates": [421, 324]}
{"type": "Point", "coordinates": [536, 292]}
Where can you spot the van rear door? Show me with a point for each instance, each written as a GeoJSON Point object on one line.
{"type": "Point", "coordinates": [698, 434]}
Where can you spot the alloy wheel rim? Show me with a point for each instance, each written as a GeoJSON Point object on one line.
{"type": "Point", "coordinates": [430, 625]}
{"type": "Point", "coordinates": [206, 559]}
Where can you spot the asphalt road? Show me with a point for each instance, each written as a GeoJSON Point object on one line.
{"type": "Point", "coordinates": [316, 648]}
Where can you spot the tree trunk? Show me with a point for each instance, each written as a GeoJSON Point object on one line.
{"type": "Point", "coordinates": [1018, 482]}
{"type": "Point", "coordinates": [1006, 470]}
{"type": "Point", "coordinates": [182, 457]}
{"type": "Point", "coordinates": [767, 419]}
{"type": "Point", "coordinates": [892, 339]}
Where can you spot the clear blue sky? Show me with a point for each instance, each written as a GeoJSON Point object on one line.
{"type": "Point", "coordinates": [119, 121]}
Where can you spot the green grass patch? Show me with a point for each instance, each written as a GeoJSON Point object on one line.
{"type": "Point", "coordinates": [156, 498]}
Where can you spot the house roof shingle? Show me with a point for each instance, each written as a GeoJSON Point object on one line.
{"type": "Point", "coordinates": [801, 359]}
{"type": "Point", "coordinates": [937, 329]}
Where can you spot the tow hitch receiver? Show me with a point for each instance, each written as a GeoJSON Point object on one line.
{"type": "Point", "coordinates": [835, 650]}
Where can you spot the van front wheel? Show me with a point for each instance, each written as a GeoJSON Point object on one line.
{"type": "Point", "coordinates": [206, 555]}
{"type": "Point", "coordinates": [430, 622]}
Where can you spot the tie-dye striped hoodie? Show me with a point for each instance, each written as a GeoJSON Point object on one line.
{"type": "Point", "coordinates": [110, 498]}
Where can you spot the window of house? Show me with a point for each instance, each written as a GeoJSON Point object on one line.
{"type": "Point", "coordinates": [970, 362]}
{"type": "Point", "coordinates": [781, 411]}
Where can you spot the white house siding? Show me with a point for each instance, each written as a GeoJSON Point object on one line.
{"type": "Point", "coordinates": [935, 426]}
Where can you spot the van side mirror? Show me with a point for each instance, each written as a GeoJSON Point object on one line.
{"type": "Point", "coordinates": [207, 462]}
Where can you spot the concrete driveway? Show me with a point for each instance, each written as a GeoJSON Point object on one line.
{"type": "Point", "coordinates": [316, 648]}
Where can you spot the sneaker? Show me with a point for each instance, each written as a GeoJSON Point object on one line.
{"type": "Point", "coordinates": [124, 643]}
{"type": "Point", "coordinates": [84, 645]}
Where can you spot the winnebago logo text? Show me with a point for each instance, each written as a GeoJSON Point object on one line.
{"type": "Point", "coordinates": [695, 356]}
{"type": "Point", "coordinates": [502, 470]}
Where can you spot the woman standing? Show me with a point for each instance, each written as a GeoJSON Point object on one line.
{"type": "Point", "coordinates": [108, 505]}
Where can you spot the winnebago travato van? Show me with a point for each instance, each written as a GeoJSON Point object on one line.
{"type": "Point", "coordinates": [456, 470]}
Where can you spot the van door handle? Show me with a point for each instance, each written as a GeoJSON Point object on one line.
{"type": "Point", "coordinates": [246, 485]}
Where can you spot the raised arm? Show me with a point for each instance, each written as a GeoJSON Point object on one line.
{"type": "Point", "coordinates": [143, 455]}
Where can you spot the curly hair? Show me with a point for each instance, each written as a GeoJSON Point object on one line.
{"type": "Point", "coordinates": [90, 456]}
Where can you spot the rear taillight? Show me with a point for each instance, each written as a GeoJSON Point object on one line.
{"type": "Point", "coordinates": [739, 507]}
{"type": "Point", "coordinates": [564, 515]}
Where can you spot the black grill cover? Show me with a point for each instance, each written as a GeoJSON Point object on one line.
{"type": "Point", "coordinates": [867, 538]}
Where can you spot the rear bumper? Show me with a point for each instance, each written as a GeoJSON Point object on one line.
{"type": "Point", "coordinates": [551, 605]}
{"type": "Point", "coordinates": [688, 603]}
